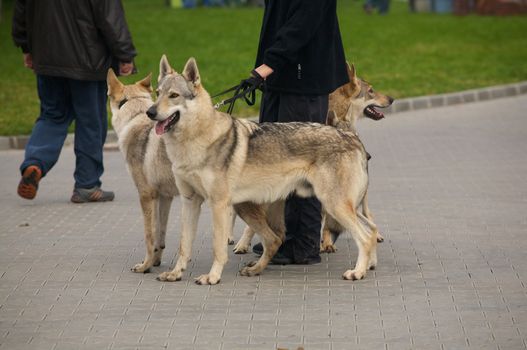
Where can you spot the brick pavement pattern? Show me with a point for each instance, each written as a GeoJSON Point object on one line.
{"type": "Point", "coordinates": [448, 191]}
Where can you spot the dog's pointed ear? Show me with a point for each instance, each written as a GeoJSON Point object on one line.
{"type": "Point", "coordinates": [351, 70]}
{"type": "Point", "coordinates": [164, 68]}
{"type": "Point", "coordinates": [114, 85]}
{"type": "Point", "coordinates": [146, 82]}
{"type": "Point", "coordinates": [191, 72]}
{"type": "Point", "coordinates": [331, 118]}
{"type": "Point", "coordinates": [352, 74]}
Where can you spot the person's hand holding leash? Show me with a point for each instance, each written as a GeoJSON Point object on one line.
{"type": "Point", "coordinates": [246, 88]}
{"type": "Point", "coordinates": [264, 71]}
{"type": "Point", "coordinates": [255, 81]}
{"type": "Point", "coordinates": [257, 78]}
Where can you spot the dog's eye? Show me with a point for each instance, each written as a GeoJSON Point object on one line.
{"type": "Point", "coordinates": [174, 95]}
{"type": "Point", "coordinates": [370, 90]}
{"type": "Point", "coordinates": [157, 92]}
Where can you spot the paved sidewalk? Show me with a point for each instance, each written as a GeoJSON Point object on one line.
{"type": "Point", "coordinates": [448, 191]}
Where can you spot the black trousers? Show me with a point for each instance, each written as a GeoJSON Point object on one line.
{"type": "Point", "coordinates": [302, 215]}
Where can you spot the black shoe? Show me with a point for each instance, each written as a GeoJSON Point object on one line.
{"type": "Point", "coordinates": [282, 257]}
{"type": "Point", "coordinates": [312, 260]}
{"type": "Point", "coordinates": [258, 249]}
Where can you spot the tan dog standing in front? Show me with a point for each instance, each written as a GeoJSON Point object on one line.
{"type": "Point", "coordinates": [251, 167]}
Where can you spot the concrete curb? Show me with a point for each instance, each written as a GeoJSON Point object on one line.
{"type": "Point", "coordinates": [400, 105]}
{"type": "Point", "coordinates": [467, 96]}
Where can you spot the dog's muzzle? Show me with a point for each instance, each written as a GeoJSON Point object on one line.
{"type": "Point", "coordinates": [372, 113]}
{"type": "Point", "coordinates": [167, 124]}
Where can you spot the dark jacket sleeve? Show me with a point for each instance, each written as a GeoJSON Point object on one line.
{"type": "Point", "coordinates": [110, 20]}
{"type": "Point", "coordinates": [19, 30]}
{"type": "Point", "coordinates": [303, 21]}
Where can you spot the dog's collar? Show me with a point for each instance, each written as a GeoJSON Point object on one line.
{"type": "Point", "coordinates": [123, 102]}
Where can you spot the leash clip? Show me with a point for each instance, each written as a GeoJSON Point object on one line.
{"type": "Point", "coordinates": [219, 104]}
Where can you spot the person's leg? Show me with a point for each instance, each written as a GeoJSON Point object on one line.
{"type": "Point", "coordinates": [384, 6]}
{"type": "Point", "coordinates": [301, 108]}
{"type": "Point", "coordinates": [303, 224]}
{"type": "Point", "coordinates": [89, 108]}
{"type": "Point", "coordinates": [302, 215]}
{"type": "Point", "coordinates": [51, 127]}
{"type": "Point", "coordinates": [47, 138]}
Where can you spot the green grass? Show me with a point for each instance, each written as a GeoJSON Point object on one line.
{"type": "Point", "coordinates": [402, 54]}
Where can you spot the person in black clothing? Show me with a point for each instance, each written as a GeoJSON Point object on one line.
{"type": "Point", "coordinates": [70, 45]}
{"type": "Point", "coordinates": [300, 62]}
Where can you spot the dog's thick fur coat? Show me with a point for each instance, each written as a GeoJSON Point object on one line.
{"type": "Point", "coordinates": [146, 160]}
{"type": "Point", "coordinates": [239, 163]}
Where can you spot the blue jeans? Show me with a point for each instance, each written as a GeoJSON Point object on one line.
{"type": "Point", "coordinates": [63, 100]}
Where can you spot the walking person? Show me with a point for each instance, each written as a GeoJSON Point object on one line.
{"type": "Point", "coordinates": [70, 45]}
{"type": "Point", "coordinates": [300, 62]}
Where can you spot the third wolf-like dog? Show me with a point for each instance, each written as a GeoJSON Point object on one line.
{"type": "Point", "coordinates": [146, 160]}
{"type": "Point", "coordinates": [238, 163]}
{"type": "Point", "coordinates": [347, 104]}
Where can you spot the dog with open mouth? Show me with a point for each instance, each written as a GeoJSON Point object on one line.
{"type": "Point", "coordinates": [349, 103]}
{"type": "Point", "coordinates": [251, 168]}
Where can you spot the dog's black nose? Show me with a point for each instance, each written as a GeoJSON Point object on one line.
{"type": "Point", "coordinates": [391, 99]}
{"type": "Point", "coordinates": [151, 112]}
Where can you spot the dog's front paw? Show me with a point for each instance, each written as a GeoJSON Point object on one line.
{"type": "Point", "coordinates": [327, 247]}
{"type": "Point", "coordinates": [380, 238]}
{"type": "Point", "coordinates": [141, 268]}
{"type": "Point", "coordinates": [240, 248]}
{"type": "Point", "coordinates": [169, 276]}
{"type": "Point", "coordinates": [251, 269]}
{"type": "Point", "coordinates": [207, 280]}
{"type": "Point", "coordinates": [353, 275]}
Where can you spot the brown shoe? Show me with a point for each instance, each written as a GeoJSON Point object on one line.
{"type": "Point", "coordinates": [28, 185]}
{"type": "Point", "coordinates": [95, 194]}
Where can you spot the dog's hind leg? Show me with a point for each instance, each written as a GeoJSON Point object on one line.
{"type": "Point", "coordinates": [163, 210]}
{"type": "Point", "coordinates": [331, 230]}
{"type": "Point", "coordinates": [345, 213]}
{"type": "Point", "coordinates": [269, 223]}
{"type": "Point", "coordinates": [242, 247]}
{"type": "Point", "coordinates": [367, 213]}
{"type": "Point", "coordinates": [148, 202]}
{"type": "Point", "coordinates": [373, 228]}
{"type": "Point", "coordinates": [190, 210]}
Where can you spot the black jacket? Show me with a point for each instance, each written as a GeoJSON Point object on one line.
{"type": "Point", "coordinates": [300, 40]}
{"type": "Point", "coordinates": [72, 38]}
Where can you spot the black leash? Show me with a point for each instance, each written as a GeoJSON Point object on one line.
{"type": "Point", "coordinates": [246, 89]}
{"type": "Point", "coordinates": [248, 94]}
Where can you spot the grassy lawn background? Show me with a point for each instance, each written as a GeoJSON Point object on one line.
{"type": "Point", "coordinates": [402, 54]}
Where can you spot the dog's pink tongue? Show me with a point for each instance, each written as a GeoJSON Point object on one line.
{"type": "Point", "coordinates": [160, 127]}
